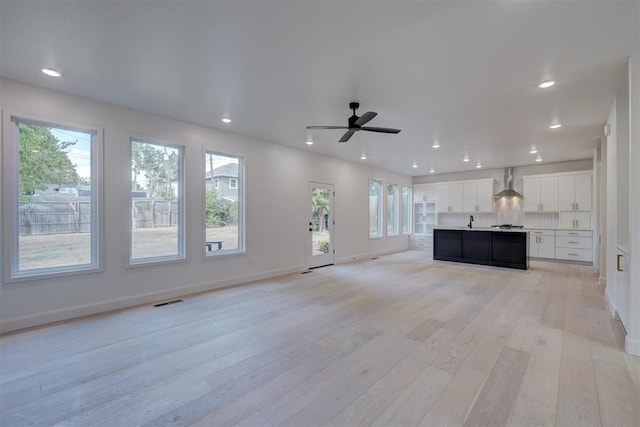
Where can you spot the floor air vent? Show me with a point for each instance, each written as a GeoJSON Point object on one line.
{"type": "Point", "coordinates": [167, 303]}
{"type": "Point", "coordinates": [306, 272]}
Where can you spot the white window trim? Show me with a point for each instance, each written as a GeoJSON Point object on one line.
{"type": "Point", "coordinates": [396, 208]}
{"type": "Point", "coordinates": [181, 257]}
{"type": "Point", "coordinates": [241, 249]}
{"type": "Point", "coordinates": [9, 200]}
{"type": "Point", "coordinates": [381, 216]}
{"type": "Point", "coordinates": [408, 208]}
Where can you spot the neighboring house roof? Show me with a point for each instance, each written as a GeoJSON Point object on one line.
{"type": "Point", "coordinates": [230, 170]}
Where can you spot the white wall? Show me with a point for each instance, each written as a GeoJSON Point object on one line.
{"type": "Point", "coordinates": [632, 341]}
{"type": "Point", "coordinates": [498, 174]}
{"type": "Point", "coordinates": [611, 209]}
{"type": "Point", "coordinates": [276, 213]}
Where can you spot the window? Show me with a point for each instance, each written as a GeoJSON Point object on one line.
{"type": "Point", "coordinates": [375, 208]}
{"type": "Point", "coordinates": [392, 209]}
{"type": "Point", "coordinates": [224, 207]}
{"type": "Point", "coordinates": [216, 183]}
{"type": "Point", "coordinates": [157, 225]}
{"type": "Point", "coordinates": [52, 195]}
{"type": "Point", "coordinates": [406, 210]}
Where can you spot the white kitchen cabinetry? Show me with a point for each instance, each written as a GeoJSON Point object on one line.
{"type": "Point", "coordinates": [542, 243]}
{"type": "Point", "coordinates": [424, 217]}
{"type": "Point", "coordinates": [574, 245]}
{"type": "Point", "coordinates": [478, 196]}
{"type": "Point", "coordinates": [575, 219]}
{"type": "Point", "coordinates": [540, 194]}
{"type": "Point", "coordinates": [450, 197]}
{"type": "Point", "coordinates": [575, 192]}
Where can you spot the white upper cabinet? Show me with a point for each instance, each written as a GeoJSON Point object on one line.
{"type": "Point", "coordinates": [450, 197]}
{"type": "Point", "coordinates": [575, 192]}
{"type": "Point", "coordinates": [442, 191]}
{"type": "Point", "coordinates": [478, 196]}
{"type": "Point", "coordinates": [540, 194]}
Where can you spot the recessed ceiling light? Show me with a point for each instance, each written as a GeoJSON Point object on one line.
{"type": "Point", "coordinates": [546, 84]}
{"type": "Point", "coordinates": [415, 165]}
{"type": "Point", "coordinates": [533, 150]}
{"type": "Point", "coordinates": [226, 120]}
{"type": "Point", "coordinates": [436, 144]}
{"type": "Point", "coordinates": [479, 165]}
{"type": "Point", "coordinates": [431, 170]}
{"type": "Point", "coordinates": [51, 72]}
{"type": "Point", "coordinates": [555, 126]}
{"type": "Point", "coordinates": [309, 142]}
{"type": "Point", "coordinates": [466, 158]}
{"type": "Point", "coordinates": [363, 157]}
{"type": "Point", "coordinates": [539, 158]}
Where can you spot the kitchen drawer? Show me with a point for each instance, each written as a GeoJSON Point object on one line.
{"type": "Point", "coordinates": [535, 232]}
{"type": "Point", "coordinates": [576, 233]}
{"type": "Point", "coordinates": [574, 254]}
{"type": "Point", "coordinates": [574, 242]}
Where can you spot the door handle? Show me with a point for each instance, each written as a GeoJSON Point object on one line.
{"type": "Point", "coordinates": [311, 229]}
{"type": "Point", "coordinates": [619, 262]}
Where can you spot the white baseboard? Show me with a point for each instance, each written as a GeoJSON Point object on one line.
{"type": "Point", "coordinates": [68, 313]}
{"type": "Point", "coordinates": [602, 280]}
{"type": "Point", "coordinates": [632, 345]}
{"type": "Point", "coordinates": [610, 305]}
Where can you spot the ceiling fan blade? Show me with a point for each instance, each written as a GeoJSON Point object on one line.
{"type": "Point", "coordinates": [327, 127]}
{"type": "Point", "coordinates": [381, 130]}
{"type": "Point", "coordinates": [365, 118]}
{"type": "Point", "coordinates": [348, 134]}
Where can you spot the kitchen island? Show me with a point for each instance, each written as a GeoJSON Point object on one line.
{"type": "Point", "coordinates": [486, 246]}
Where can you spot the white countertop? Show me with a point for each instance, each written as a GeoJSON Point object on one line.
{"type": "Point", "coordinates": [463, 228]}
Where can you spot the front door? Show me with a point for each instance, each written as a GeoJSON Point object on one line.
{"type": "Point", "coordinates": [320, 241]}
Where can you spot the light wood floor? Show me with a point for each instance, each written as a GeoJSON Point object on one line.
{"type": "Point", "coordinates": [400, 340]}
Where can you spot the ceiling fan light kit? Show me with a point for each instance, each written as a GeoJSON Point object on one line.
{"type": "Point", "coordinates": [356, 124]}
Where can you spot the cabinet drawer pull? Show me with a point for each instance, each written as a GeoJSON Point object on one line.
{"type": "Point", "coordinates": [618, 262]}
{"type": "Point", "coordinates": [572, 254]}
{"type": "Point", "coordinates": [573, 234]}
{"type": "Point", "coordinates": [574, 243]}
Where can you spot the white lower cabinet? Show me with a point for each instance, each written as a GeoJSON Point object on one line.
{"type": "Point", "coordinates": [574, 245]}
{"type": "Point", "coordinates": [542, 243]}
{"type": "Point", "coordinates": [575, 219]}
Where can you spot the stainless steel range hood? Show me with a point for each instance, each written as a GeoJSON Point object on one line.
{"type": "Point", "coordinates": [508, 191]}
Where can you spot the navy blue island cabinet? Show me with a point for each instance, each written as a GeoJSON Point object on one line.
{"type": "Point", "coordinates": [498, 248]}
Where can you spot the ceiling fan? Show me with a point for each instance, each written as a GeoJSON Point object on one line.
{"type": "Point", "coordinates": [356, 123]}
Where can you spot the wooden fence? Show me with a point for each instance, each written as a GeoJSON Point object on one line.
{"type": "Point", "coordinates": [75, 217]}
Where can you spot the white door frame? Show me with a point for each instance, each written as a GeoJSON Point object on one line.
{"type": "Point", "coordinates": [315, 258]}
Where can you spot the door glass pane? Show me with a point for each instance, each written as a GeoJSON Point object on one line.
{"type": "Point", "coordinates": [320, 214]}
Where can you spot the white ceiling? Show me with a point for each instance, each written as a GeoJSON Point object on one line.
{"type": "Point", "coordinates": [462, 72]}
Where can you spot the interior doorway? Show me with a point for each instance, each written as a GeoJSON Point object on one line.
{"type": "Point", "coordinates": [320, 242]}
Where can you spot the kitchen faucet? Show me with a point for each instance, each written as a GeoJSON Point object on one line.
{"type": "Point", "coordinates": [470, 221]}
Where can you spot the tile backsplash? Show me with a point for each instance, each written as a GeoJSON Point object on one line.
{"type": "Point", "coordinates": [487, 219]}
